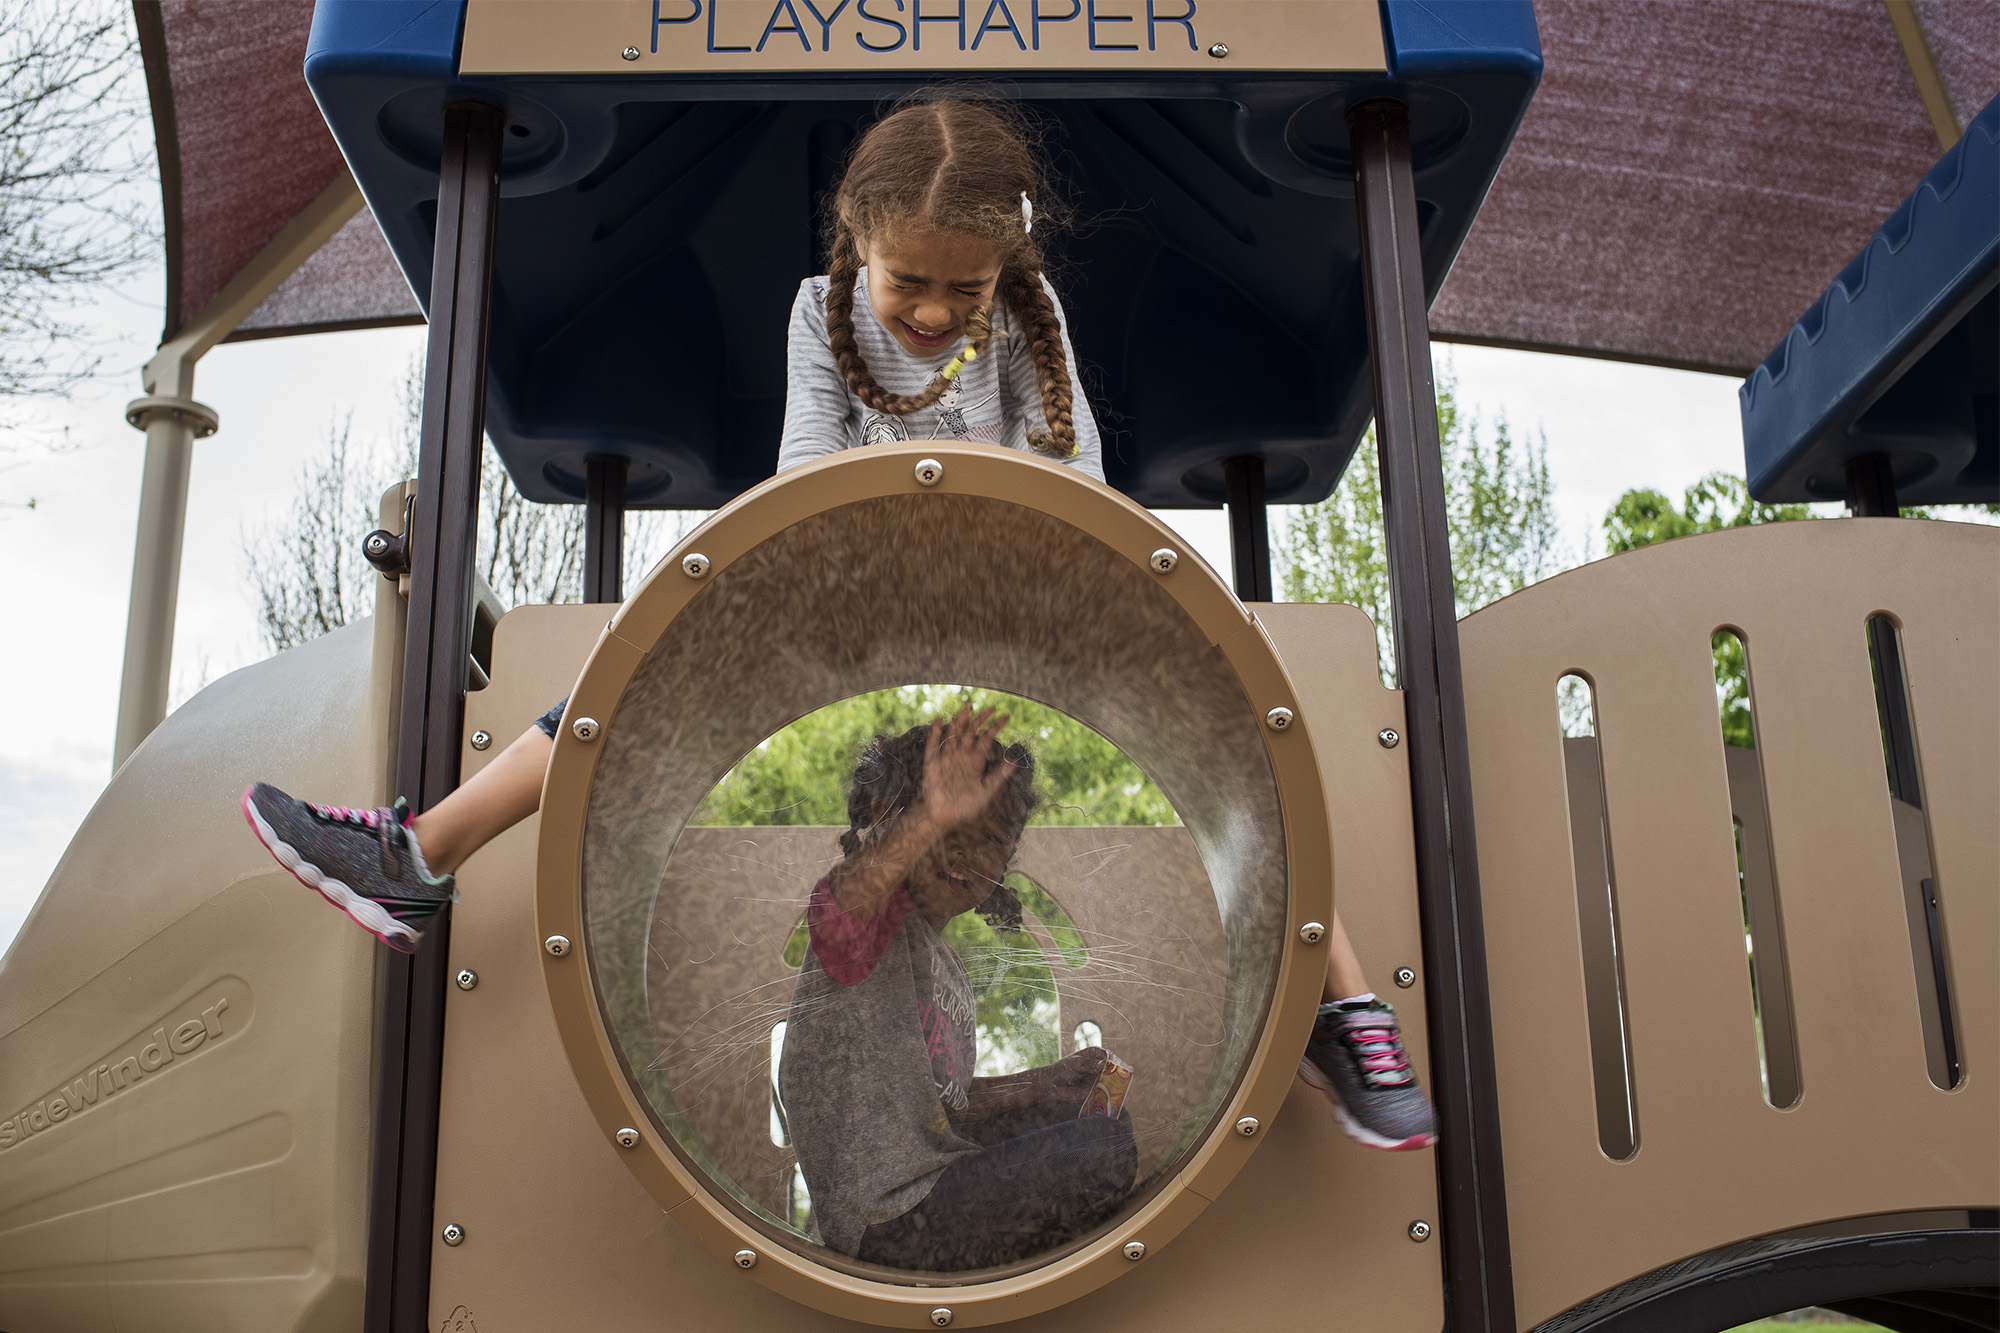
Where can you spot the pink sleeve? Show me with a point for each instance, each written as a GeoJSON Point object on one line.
{"type": "Point", "coordinates": [847, 946]}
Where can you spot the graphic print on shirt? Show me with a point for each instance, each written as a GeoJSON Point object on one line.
{"type": "Point", "coordinates": [879, 429]}
{"type": "Point", "coordinates": [947, 1023]}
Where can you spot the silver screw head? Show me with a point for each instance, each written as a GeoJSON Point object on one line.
{"type": "Point", "coordinates": [377, 543]}
{"type": "Point", "coordinates": [1219, 50]}
{"type": "Point", "coordinates": [746, 1258]}
{"type": "Point", "coordinates": [1406, 977]}
{"type": "Point", "coordinates": [454, 1234]}
{"type": "Point", "coordinates": [557, 945]}
{"type": "Point", "coordinates": [466, 978]}
{"type": "Point", "coordinates": [1248, 1126]}
{"type": "Point", "coordinates": [929, 473]}
{"type": "Point", "coordinates": [1420, 1231]}
{"type": "Point", "coordinates": [695, 565]}
{"type": "Point", "coordinates": [1164, 560]}
{"type": "Point", "coordinates": [1135, 1250]}
{"type": "Point", "coordinates": [585, 729]}
{"type": "Point", "coordinates": [940, 1316]}
{"type": "Point", "coordinates": [627, 1137]}
{"type": "Point", "coordinates": [1312, 932]}
{"type": "Point", "coordinates": [629, 53]}
{"type": "Point", "coordinates": [481, 739]}
{"type": "Point", "coordinates": [1388, 737]}
{"type": "Point", "coordinates": [1278, 719]}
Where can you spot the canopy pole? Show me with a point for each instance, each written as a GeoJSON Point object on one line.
{"type": "Point", "coordinates": [444, 523]}
{"type": "Point", "coordinates": [1249, 528]}
{"type": "Point", "coordinates": [1472, 1203]}
{"type": "Point", "coordinates": [604, 527]}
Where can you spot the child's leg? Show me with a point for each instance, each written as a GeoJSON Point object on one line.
{"type": "Point", "coordinates": [498, 797]}
{"type": "Point", "coordinates": [1344, 980]}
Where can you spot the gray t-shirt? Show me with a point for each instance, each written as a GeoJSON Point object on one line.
{"type": "Point", "coordinates": [994, 399]}
{"type": "Point", "coordinates": [879, 1052]}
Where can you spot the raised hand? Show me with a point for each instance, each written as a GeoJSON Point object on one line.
{"type": "Point", "coordinates": [957, 787]}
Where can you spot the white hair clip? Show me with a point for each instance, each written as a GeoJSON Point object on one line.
{"type": "Point", "coordinates": [1027, 214]}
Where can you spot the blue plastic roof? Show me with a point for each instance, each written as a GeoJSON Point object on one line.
{"type": "Point", "coordinates": [1901, 354]}
{"type": "Point", "coordinates": [654, 230]}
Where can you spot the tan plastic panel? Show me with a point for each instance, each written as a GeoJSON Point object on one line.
{"type": "Point", "coordinates": [723, 37]}
{"type": "Point", "coordinates": [219, 1180]}
{"type": "Point", "coordinates": [1715, 1162]}
{"type": "Point", "coordinates": [560, 1234]}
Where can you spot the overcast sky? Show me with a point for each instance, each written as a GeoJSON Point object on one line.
{"type": "Point", "coordinates": [1609, 427]}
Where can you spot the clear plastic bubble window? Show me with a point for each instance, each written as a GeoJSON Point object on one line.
{"type": "Point", "coordinates": [933, 1008]}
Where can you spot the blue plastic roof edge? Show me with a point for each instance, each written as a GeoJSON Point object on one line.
{"type": "Point", "coordinates": [381, 70]}
{"type": "Point", "coordinates": [1899, 308]}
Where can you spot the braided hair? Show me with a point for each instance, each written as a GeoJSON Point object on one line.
{"type": "Point", "coordinates": [889, 779]}
{"type": "Point", "coordinates": [950, 166]}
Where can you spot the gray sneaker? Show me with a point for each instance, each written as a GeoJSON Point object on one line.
{"type": "Point", "coordinates": [365, 862]}
{"type": "Point", "coordinates": [1355, 1056]}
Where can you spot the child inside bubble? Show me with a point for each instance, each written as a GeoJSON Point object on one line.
{"type": "Point", "coordinates": [911, 1160]}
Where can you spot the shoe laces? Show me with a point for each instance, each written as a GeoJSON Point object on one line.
{"type": "Point", "coordinates": [1377, 1043]}
{"type": "Point", "coordinates": [385, 823]}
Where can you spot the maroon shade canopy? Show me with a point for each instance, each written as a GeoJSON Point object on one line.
{"type": "Point", "coordinates": [1689, 177]}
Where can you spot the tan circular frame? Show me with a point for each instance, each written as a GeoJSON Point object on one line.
{"type": "Point", "coordinates": [1125, 528]}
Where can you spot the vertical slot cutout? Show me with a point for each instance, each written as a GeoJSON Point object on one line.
{"type": "Point", "coordinates": [1756, 872]}
{"type": "Point", "coordinates": [1597, 918]}
{"type": "Point", "coordinates": [1914, 855]}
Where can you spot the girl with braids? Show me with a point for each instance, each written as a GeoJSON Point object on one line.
{"type": "Point", "coordinates": [911, 1161]}
{"type": "Point", "coordinates": [934, 320]}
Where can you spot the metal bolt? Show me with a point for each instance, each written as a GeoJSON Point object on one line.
{"type": "Point", "coordinates": [627, 1137]}
{"type": "Point", "coordinates": [1312, 932]}
{"type": "Point", "coordinates": [630, 53]}
{"type": "Point", "coordinates": [929, 473]}
{"type": "Point", "coordinates": [1278, 719]}
{"type": "Point", "coordinates": [585, 729]}
{"type": "Point", "coordinates": [694, 565]}
{"type": "Point", "coordinates": [1406, 977]}
{"type": "Point", "coordinates": [557, 945]}
{"type": "Point", "coordinates": [1135, 1250]}
{"type": "Point", "coordinates": [454, 1234]}
{"type": "Point", "coordinates": [940, 1316]}
{"type": "Point", "coordinates": [467, 978]}
{"type": "Point", "coordinates": [1420, 1231]}
{"type": "Point", "coordinates": [1164, 560]}
{"type": "Point", "coordinates": [481, 739]}
{"type": "Point", "coordinates": [746, 1258]}
{"type": "Point", "coordinates": [1248, 1126]}
{"type": "Point", "coordinates": [1219, 50]}
{"type": "Point", "coordinates": [377, 544]}
{"type": "Point", "coordinates": [1388, 736]}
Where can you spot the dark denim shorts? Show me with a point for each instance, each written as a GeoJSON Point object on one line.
{"type": "Point", "coordinates": [552, 719]}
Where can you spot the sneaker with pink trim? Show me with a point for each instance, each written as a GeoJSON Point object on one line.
{"type": "Point", "coordinates": [365, 862]}
{"type": "Point", "coordinates": [1356, 1057]}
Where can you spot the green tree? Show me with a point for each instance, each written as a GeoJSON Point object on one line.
{"type": "Point", "coordinates": [1499, 498]}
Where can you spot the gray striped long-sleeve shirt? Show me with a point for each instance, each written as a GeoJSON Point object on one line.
{"type": "Point", "coordinates": [994, 400]}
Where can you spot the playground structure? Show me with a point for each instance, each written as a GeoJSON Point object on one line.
{"type": "Point", "coordinates": [441, 1142]}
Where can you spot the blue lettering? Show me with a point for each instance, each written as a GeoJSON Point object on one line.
{"type": "Point", "coordinates": [918, 21]}
{"type": "Point", "coordinates": [826, 21]}
{"type": "Point", "coordinates": [987, 24]}
{"type": "Point", "coordinates": [1036, 19]}
{"type": "Point", "coordinates": [771, 25]}
{"type": "Point", "coordinates": [712, 47]}
{"type": "Point", "coordinates": [1092, 23]}
{"type": "Point", "coordinates": [1154, 20]}
{"type": "Point", "coordinates": [658, 22]}
{"type": "Point", "coordinates": [901, 36]}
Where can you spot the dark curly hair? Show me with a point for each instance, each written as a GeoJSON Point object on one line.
{"type": "Point", "coordinates": [889, 778]}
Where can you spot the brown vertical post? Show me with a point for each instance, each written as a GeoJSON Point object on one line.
{"type": "Point", "coordinates": [1479, 1279]}
{"type": "Point", "coordinates": [443, 528]}
{"type": "Point", "coordinates": [604, 527]}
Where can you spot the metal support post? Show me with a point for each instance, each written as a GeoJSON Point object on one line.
{"type": "Point", "coordinates": [604, 528]}
{"type": "Point", "coordinates": [443, 527]}
{"type": "Point", "coordinates": [1478, 1269]}
{"type": "Point", "coordinates": [1249, 528]}
{"type": "Point", "coordinates": [1871, 487]}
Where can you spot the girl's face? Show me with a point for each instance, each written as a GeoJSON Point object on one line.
{"type": "Point", "coordinates": [923, 284]}
{"type": "Point", "coordinates": [964, 867]}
